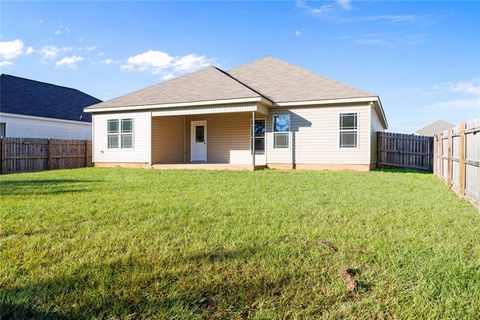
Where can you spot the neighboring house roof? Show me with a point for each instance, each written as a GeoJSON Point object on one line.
{"type": "Point", "coordinates": [34, 98]}
{"type": "Point", "coordinates": [434, 128]}
{"type": "Point", "coordinates": [284, 82]}
{"type": "Point", "coordinates": [207, 84]}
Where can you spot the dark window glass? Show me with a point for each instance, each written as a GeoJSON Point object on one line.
{"type": "Point", "coordinates": [280, 140]}
{"type": "Point", "coordinates": [127, 125]}
{"type": "Point", "coordinates": [112, 141]}
{"type": "Point", "coordinates": [348, 139]}
{"type": "Point", "coordinates": [348, 121]}
{"type": "Point", "coordinates": [112, 126]}
{"type": "Point", "coordinates": [199, 134]}
{"type": "Point", "coordinates": [3, 129]}
{"type": "Point", "coordinates": [127, 141]}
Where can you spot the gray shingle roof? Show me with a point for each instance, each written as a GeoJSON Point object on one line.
{"type": "Point", "coordinates": [34, 98]}
{"type": "Point", "coordinates": [435, 128]}
{"type": "Point", "coordinates": [269, 78]}
{"type": "Point", "coordinates": [206, 84]}
{"type": "Point", "coordinates": [283, 82]}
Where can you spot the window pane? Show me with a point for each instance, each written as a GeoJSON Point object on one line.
{"type": "Point", "coordinates": [113, 141]}
{"type": "Point", "coordinates": [259, 145]}
{"type": "Point", "coordinates": [281, 123]}
{"type": "Point", "coordinates": [127, 125]}
{"type": "Point", "coordinates": [199, 134]}
{"type": "Point", "coordinates": [348, 121]}
{"type": "Point", "coordinates": [127, 141]}
{"type": "Point", "coordinates": [280, 140]}
{"type": "Point", "coordinates": [259, 128]}
{"type": "Point", "coordinates": [113, 126]}
{"type": "Point", "coordinates": [348, 139]}
{"type": "Point", "coordinates": [3, 129]}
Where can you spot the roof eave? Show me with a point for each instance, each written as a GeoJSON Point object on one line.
{"type": "Point", "coordinates": [93, 109]}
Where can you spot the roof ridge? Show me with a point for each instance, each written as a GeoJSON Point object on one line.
{"type": "Point", "coordinates": [42, 82]}
{"type": "Point", "coordinates": [243, 84]}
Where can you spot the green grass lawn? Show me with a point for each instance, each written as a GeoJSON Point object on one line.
{"type": "Point", "coordinates": [136, 243]}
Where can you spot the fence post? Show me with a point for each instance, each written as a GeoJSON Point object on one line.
{"type": "Point", "coordinates": [441, 155]}
{"type": "Point", "coordinates": [461, 156]}
{"type": "Point", "coordinates": [449, 160]}
{"type": "Point", "coordinates": [435, 147]}
{"type": "Point", "coordinates": [3, 156]}
{"type": "Point", "coordinates": [86, 153]}
{"type": "Point", "coordinates": [379, 146]}
{"type": "Point", "coordinates": [49, 154]}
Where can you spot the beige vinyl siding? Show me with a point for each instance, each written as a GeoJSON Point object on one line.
{"type": "Point", "coordinates": [168, 139]}
{"type": "Point", "coordinates": [141, 151]}
{"type": "Point", "coordinates": [314, 136]}
{"type": "Point", "coordinates": [375, 126]}
{"type": "Point", "coordinates": [228, 137]}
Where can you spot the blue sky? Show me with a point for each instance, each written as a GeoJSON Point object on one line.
{"type": "Point", "coordinates": [422, 58]}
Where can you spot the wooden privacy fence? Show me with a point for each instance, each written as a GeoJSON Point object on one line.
{"type": "Point", "coordinates": [30, 154]}
{"type": "Point", "coordinates": [404, 151]}
{"type": "Point", "coordinates": [457, 159]}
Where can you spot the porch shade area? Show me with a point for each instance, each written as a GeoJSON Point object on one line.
{"type": "Point", "coordinates": [204, 138]}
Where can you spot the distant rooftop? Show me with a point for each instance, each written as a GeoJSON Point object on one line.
{"type": "Point", "coordinates": [34, 98]}
{"type": "Point", "coordinates": [435, 128]}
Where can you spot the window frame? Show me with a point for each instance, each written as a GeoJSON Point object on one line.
{"type": "Point", "coordinates": [253, 139]}
{"type": "Point", "coordinates": [120, 133]}
{"type": "Point", "coordinates": [349, 130]}
{"type": "Point", "coordinates": [274, 133]}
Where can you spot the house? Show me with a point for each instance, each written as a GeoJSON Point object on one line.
{"type": "Point", "coordinates": [434, 128]}
{"type": "Point", "coordinates": [204, 120]}
{"type": "Point", "coordinates": [34, 109]}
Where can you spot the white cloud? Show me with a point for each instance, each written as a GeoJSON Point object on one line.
{"type": "Point", "coordinates": [388, 39]}
{"type": "Point", "coordinates": [11, 49]}
{"type": "Point", "coordinates": [298, 33]}
{"type": "Point", "coordinates": [91, 48]}
{"type": "Point", "coordinates": [314, 10]}
{"type": "Point", "coordinates": [457, 104]}
{"type": "Point", "coordinates": [149, 60]}
{"type": "Point", "coordinates": [4, 64]}
{"type": "Point", "coordinates": [392, 18]}
{"type": "Point", "coordinates": [69, 62]}
{"type": "Point", "coordinates": [345, 4]}
{"type": "Point", "coordinates": [29, 50]}
{"type": "Point", "coordinates": [191, 62]}
{"type": "Point", "coordinates": [62, 29]}
{"type": "Point", "coordinates": [471, 87]}
{"type": "Point", "coordinates": [110, 61]}
{"type": "Point", "coordinates": [162, 62]}
{"type": "Point", "coordinates": [51, 52]}
{"type": "Point", "coordinates": [168, 76]}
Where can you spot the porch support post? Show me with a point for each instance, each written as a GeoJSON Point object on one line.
{"type": "Point", "coordinates": [253, 140]}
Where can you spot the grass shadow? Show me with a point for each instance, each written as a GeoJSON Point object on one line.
{"type": "Point", "coordinates": [44, 186]}
{"type": "Point", "coordinates": [401, 170]}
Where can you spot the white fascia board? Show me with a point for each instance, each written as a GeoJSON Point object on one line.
{"type": "Point", "coordinates": [178, 105]}
{"type": "Point", "coordinates": [21, 116]}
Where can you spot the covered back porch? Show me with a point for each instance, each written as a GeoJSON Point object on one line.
{"type": "Point", "coordinates": [209, 138]}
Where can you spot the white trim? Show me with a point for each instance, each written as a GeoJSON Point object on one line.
{"type": "Point", "coordinates": [21, 116]}
{"type": "Point", "coordinates": [327, 101]}
{"type": "Point", "coordinates": [192, 138]}
{"type": "Point", "coordinates": [204, 110]}
{"type": "Point", "coordinates": [179, 104]}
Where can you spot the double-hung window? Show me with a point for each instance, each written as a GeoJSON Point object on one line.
{"type": "Point", "coordinates": [348, 130]}
{"type": "Point", "coordinates": [281, 131]}
{"type": "Point", "coordinates": [259, 136]}
{"type": "Point", "coordinates": [120, 133]}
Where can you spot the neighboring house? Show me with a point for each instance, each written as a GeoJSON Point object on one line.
{"type": "Point", "coordinates": [302, 120]}
{"type": "Point", "coordinates": [34, 109]}
{"type": "Point", "coordinates": [435, 128]}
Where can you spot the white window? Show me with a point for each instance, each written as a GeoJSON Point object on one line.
{"type": "Point", "coordinates": [259, 136]}
{"type": "Point", "coordinates": [281, 131]}
{"type": "Point", "coordinates": [3, 129]}
{"type": "Point", "coordinates": [348, 130]}
{"type": "Point", "coordinates": [120, 133]}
